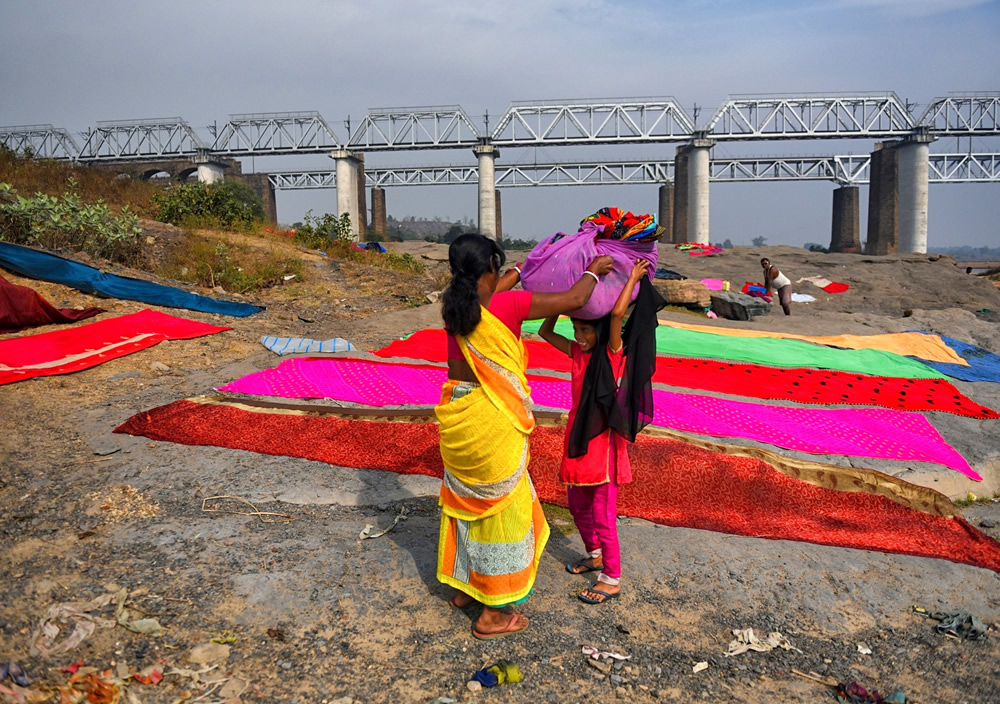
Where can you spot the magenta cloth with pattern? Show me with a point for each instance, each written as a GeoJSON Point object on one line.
{"type": "Point", "coordinates": [861, 432]}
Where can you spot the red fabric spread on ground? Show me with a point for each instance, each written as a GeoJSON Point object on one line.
{"type": "Point", "coordinates": [22, 307]}
{"type": "Point", "coordinates": [835, 287]}
{"type": "Point", "coordinates": [798, 384]}
{"type": "Point", "coordinates": [676, 484]}
{"type": "Point", "coordinates": [85, 346]}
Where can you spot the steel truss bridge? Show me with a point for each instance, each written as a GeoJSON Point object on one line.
{"type": "Point", "coordinates": [845, 170]}
{"type": "Point", "coordinates": [524, 124]}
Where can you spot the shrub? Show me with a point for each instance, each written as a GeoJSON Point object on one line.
{"type": "Point", "coordinates": [228, 204]}
{"type": "Point", "coordinates": [321, 233]}
{"type": "Point", "coordinates": [66, 221]}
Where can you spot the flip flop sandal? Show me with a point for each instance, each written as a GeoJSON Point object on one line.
{"type": "Point", "coordinates": [581, 567]}
{"type": "Point", "coordinates": [607, 596]}
{"type": "Point", "coordinates": [507, 630]}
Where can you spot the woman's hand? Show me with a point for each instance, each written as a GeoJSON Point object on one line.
{"type": "Point", "coordinates": [601, 265]}
{"type": "Point", "coordinates": [639, 270]}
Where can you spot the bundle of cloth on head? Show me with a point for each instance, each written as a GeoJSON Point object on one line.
{"type": "Point", "coordinates": [558, 261]}
{"type": "Point", "coordinates": [616, 224]}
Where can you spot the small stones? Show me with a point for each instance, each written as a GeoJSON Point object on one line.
{"type": "Point", "coordinates": [600, 666]}
{"type": "Point", "coordinates": [474, 686]}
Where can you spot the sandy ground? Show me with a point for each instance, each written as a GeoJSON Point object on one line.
{"type": "Point", "coordinates": [321, 616]}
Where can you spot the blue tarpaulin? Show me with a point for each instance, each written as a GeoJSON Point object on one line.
{"type": "Point", "coordinates": [48, 267]}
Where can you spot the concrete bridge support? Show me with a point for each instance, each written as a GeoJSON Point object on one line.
{"type": "Point", "coordinates": [698, 173]}
{"type": "Point", "coordinates": [380, 225]}
{"type": "Point", "coordinates": [499, 216]}
{"type": "Point", "coordinates": [362, 201]}
{"type": "Point", "coordinates": [913, 193]}
{"type": "Point", "coordinates": [845, 235]}
{"type": "Point", "coordinates": [665, 211]}
{"type": "Point", "coordinates": [210, 172]}
{"type": "Point", "coordinates": [487, 154]}
{"type": "Point", "coordinates": [347, 187]}
{"type": "Point", "coordinates": [680, 218]}
{"type": "Point", "coordinates": [883, 201]}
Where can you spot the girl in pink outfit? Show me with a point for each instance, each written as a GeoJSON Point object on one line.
{"type": "Point", "coordinates": [607, 412]}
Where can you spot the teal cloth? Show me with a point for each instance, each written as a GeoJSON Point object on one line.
{"type": "Point", "coordinates": [771, 351]}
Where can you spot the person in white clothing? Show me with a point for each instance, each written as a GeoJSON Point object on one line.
{"type": "Point", "coordinates": [774, 279]}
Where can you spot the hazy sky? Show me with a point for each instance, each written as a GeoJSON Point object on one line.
{"type": "Point", "coordinates": [74, 63]}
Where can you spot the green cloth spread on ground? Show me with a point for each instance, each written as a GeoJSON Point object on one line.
{"type": "Point", "coordinates": [773, 352]}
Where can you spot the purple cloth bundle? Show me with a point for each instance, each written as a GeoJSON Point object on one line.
{"type": "Point", "coordinates": [558, 262]}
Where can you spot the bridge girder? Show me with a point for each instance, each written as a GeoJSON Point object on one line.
{"type": "Point", "coordinates": [275, 133]}
{"type": "Point", "coordinates": [44, 141]}
{"type": "Point", "coordinates": [632, 120]}
{"type": "Point", "coordinates": [963, 115]}
{"type": "Point", "coordinates": [435, 127]}
{"type": "Point", "coordinates": [849, 169]}
{"type": "Point", "coordinates": [161, 138]}
{"type": "Point", "coordinates": [811, 117]}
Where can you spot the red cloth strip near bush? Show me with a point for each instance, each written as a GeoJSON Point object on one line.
{"type": "Point", "coordinates": [798, 384]}
{"type": "Point", "coordinates": [22, 307]}
{"type": "Point", "coordinates": [85, 346]}
{"type": "Point", "coordinates": [676, 484]}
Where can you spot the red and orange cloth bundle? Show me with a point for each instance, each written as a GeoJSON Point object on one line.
{"type": "Point", "coordinates": [697, 249]}
{"type": "Point", "coordinates": [617, 224]}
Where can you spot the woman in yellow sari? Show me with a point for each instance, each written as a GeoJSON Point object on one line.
{"type": "Point", "coordinates": [493, 530]}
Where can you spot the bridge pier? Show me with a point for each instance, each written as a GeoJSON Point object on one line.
{"type": "Point", "coordinates": [699, 168]}
{"type": "Point", "coordinates": [680, 218]}
{"type": "Point", "coordinates": [499, 217]}
{"type": "Point", "coordinates": [211, 171]}
{"type": "Point", "coordinates": [362, 201]}
{"type": "Point", "coordinates": [665, 210]}
{"type": "Point", "coordinates": [379, 220]}
{"type": "Point", "coordinates": [914, 169]}
{"type": "Point", "coordinates": [845, 235]}
{"type": "Point", "coordinates": [487, 154]}
{"type": "Point", "coordinates": [883, 201]}
{"type": "Point", "coordinates": [347, 187]}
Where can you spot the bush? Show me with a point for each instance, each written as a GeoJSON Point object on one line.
{"type": "Point", "coordinates": [66, 221]}
{"type": "Point", "coordinates": [321, 233]}
{"type": "Point", "coordinates": [228, 204]}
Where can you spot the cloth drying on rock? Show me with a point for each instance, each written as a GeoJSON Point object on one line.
{"type": "Point", "coordinates": [864, 432]}
{"type": "Point", "coordinates": [302, 345]}
{"type": "Point", "coordinates": [48, 267]}
{"type": "Point", "coordinates": [678, 481]}
{"type": "Point", "coordinates": [22, 307]}
{"type": "Point", "coordinates": [85, 346]}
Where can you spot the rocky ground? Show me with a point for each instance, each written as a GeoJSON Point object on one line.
{"type": "Point", "coordinates": [310, 613]}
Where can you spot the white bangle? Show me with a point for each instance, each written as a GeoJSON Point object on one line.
{"type": "Point", "coordinates": [518, 270]}
{"type": "Point", "coordinates": [588, 271]}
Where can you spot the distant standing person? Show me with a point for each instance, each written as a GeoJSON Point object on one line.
{"type": "Point", "coordinates": [774, 279]}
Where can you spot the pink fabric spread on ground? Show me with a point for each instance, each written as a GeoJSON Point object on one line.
{"type": "Point", "coordinates": [863, 432]}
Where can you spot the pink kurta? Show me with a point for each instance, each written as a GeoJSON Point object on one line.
{"type": "Point", "coordinates": [607, 456]}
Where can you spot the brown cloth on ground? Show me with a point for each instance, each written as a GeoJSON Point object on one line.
{"type": "Point", "coordinates": [21, 307]}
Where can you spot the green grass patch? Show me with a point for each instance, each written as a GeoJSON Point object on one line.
{"type": "Point", "coordinates": [559, 518]}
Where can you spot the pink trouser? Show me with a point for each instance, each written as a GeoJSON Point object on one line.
{"type": "Point", "coordinates": [595, 510]}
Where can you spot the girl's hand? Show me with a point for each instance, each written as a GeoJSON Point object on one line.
{"type": "Point", "coordinates": [639, 270]}
{"type": "Point", "coordinates": [601, 265]}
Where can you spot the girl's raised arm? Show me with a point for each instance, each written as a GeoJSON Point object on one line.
{"type": "Point", "coordinates": [621, 305]}
{"type": "Point", "coordinates": [547, 332]}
